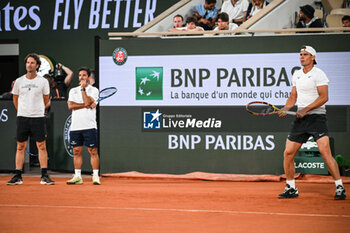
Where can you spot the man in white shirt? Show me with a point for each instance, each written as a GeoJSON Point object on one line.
{"type": "Point", "coordinates": [191, 25]}
{"type": "Point", "coordinates": [310, 92]}
{"type": "Point", "coordinates": [223, 23]}
{"type": "Point", "coordinates": [30, 96]}
{"type": "Point", "coordinates": [178, 21]}
{"type": "Point", "coordinates": [236, 10]}
{"type": "Point", "coordinates": [83, 129]}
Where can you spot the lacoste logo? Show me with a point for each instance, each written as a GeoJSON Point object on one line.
{"type": "Point", "coordinates": [149, 83]}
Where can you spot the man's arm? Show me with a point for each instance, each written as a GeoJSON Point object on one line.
{"type": "Point", "coordinates": [196, 14]}
{"type": "Point", "coordinates": [290, 102]}
{"type": "Point", "coordinates": [74, 106]}
{"type": "Point", "coordinates": [240, 20]}
{"type": "Point", "coordinates": [46, 100]}
{"type": "Point", "coordinates": [88, 100]}
{"type": "Point", "coordinates": [15, 101]}
{"type": "Point", "coordinates": [69, 76]}
{"type": "Point", "coordinates": [321, 100]}
{"type": "Point", "coordinates": [176, 30]}
{"type": "Point", "coordinates": [212, 22]}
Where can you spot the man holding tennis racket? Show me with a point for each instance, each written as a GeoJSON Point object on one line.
{"type": "Point", "coordinates": [83, 129]}
{"type": "Point", "coordinates": [30, 96]}
{"type": "Point", "coordinates": [310, 92]}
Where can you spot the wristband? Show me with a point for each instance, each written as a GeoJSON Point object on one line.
{"type": "Point", "coordinates": [82, 89]}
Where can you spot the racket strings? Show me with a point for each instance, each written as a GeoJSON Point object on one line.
{"type": "Point", "coordinates": [107, 92]}
{"type": "Point", "coordinates": [261, 108]}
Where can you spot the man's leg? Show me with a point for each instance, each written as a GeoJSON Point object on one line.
{"type": "Point", "coordinates": [95, 163]}
{"type": "Point", "coordinates": [78, 161]}
{"type": "Point", "coordinates": [288, 163]}
{"type": "Point", "coordinates": [45, 179]}
{"type": "Point", "coordinates": [17, 178]}
{"type": "Point", "coordinates": [42, 154]}
{"type": "Point", "coordinates": [20, 154]}
{"type": "Point", "coordinates": [22, 134]}
{"type": "Point", "coordinates": [325, 150]}
{"type": "Point", "coordinates": [95, 160]}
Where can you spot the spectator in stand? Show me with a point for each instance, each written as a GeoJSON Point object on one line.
{"type": "Point", "coordinates": [307, 18]}
{"type": "Point", "coordinates": [62, 78]}
{"type": "Point", "coordinates": [191, 25]}
{"type": "Point", "coordinates": [92, 77]}
{"type": "Point", "coordinates": [346, 21]}
{"type": "Point", "coordinates": [255, 6]}
{"type": "Point", "coordinates": [223, 23]}
{"type": "Point", "coordinates": [92, 80]}
{"type": "Point", "coordinates": [206, 14]}
{"type": "Point", "coordinates": [8, 95]}
{"type": "Point", "coordinates": [236, 10]}
{"type": "Point", "coordinates": [178, 21]}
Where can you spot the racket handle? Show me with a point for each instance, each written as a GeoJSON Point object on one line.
{"type": "Point", "coordinates": [291, 113]}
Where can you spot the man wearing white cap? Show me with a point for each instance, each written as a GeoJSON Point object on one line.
{"type": "Point", "coordinates": [310, 92]}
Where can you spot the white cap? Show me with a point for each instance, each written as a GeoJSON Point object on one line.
{"type": "Point", "coordinates": [309, 49]}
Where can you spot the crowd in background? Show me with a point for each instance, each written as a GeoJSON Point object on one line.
{"type": "Point", "coordinates": [233, 13]}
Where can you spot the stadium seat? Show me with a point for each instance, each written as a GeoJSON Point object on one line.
{"type": "Point", "coordinates": [329, 5]}
{"type": "Point", "coordinates": [334, 20]}
{"type": "Point", "coordinates": [319, 13]}
{"type": "Point", "coordinates": [340, 11]}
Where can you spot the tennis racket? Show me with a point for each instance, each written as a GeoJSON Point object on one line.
{"type": "Point", "coordinates": [29, 153]}
{"type": "Point", "coordinates": [106, 92]}
{"type": "Point", "coordinates": [260, 108]}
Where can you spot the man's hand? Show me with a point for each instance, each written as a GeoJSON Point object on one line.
{"type": "Point", "coordinates": [203, 20]}
{"type": "Point", "coordinates": [196, 14]}
{"type": "Point", "coordinates": [83, 83]}
{"type": "Point", "coordinates": [282, 112]}
{"type": "Point", "coordinates": [301, 113]}
{"type": "Point", "coordinates": [93, 105]}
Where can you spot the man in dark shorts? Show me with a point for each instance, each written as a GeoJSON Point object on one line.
{"type": "Point", "coordinates": [83, 129]}
{"type": "Point", "coordinates": [310, 92]}
{"type": "Point", "coordinates": [30, 96]}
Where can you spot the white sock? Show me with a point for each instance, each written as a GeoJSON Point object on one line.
{"type": "Point", "coordinates": [338, 182]}
{"type": "Point", "coordinates": [77, 172]}
{"type": "Point", "coordinates": [291, 183]}
{"type": "Point", "coordinates": [95, 172]}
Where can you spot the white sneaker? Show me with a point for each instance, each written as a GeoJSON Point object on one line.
{"type": "Point", "coordinates": [75, 180]}
{"type": "Point", "coordinates": [96, 180]}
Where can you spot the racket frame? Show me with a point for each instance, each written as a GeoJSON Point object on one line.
{"type": "Point", "coordinates": [105, 97]}
{"type": "Point", "coordinates": [275, 109]}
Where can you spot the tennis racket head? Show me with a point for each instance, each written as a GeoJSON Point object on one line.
{"type": "Point", "coordinates": [260, 108]}
{"type": "Point", "coordinates": [107, 92]}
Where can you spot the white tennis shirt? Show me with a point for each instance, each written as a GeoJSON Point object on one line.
{"type": "Point", "coordinates": [235, 11]}
{"type": "Point", "coordinates": [84, 118]}
{"type": "Point", "coordinates": [306, 85]}
{"type": "Point", "coordinates": [31, 95]}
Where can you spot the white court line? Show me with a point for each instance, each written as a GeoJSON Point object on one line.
{"type": "Point", "coordinates": [177, 210]}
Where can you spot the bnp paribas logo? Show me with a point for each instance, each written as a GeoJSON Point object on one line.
{"type": "Point", "coordinates": [149, 83]}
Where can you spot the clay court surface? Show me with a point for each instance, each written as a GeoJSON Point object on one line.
{"type": "Point", "coordinates": [163, 205]}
